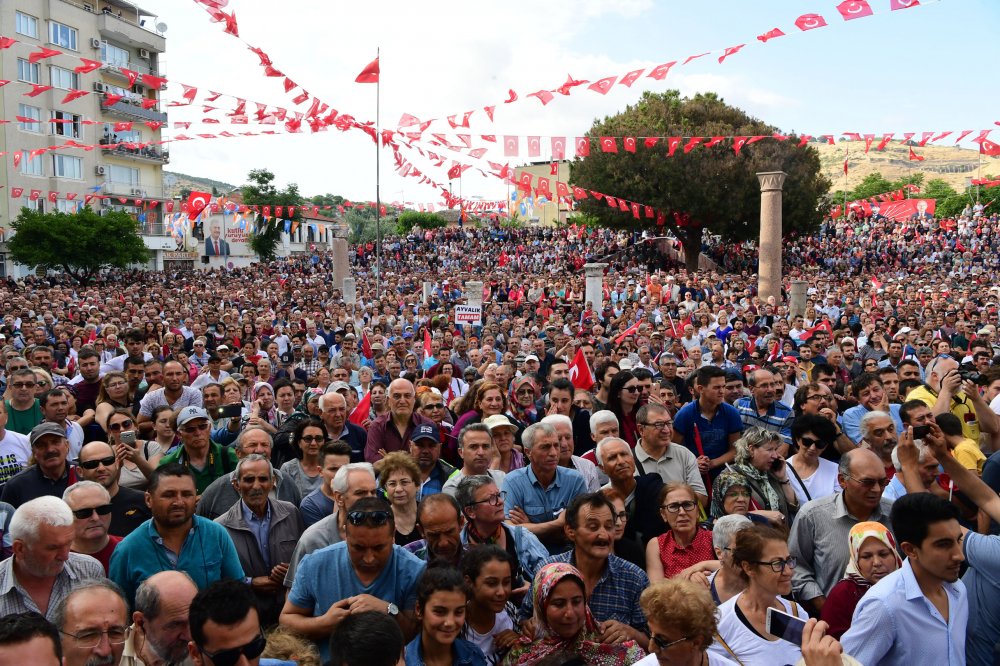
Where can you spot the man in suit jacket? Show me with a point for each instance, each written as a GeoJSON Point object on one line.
{"type": "Point", "coordinates": [215, 244]}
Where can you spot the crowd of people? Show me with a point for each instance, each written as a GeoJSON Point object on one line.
{"type": "Point", "coordinates": [239, 466]}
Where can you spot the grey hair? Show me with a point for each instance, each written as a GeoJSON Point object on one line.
{"type": "Point", "coordinates": [253, 457]}
{"type": "Point", "coordinates": [473, 427]}
{"type": "Point", "coordinates": [922, 457]}
{"type": "Point", "coordinates": [600, 417]}
{"type": "Point", "coordinates": [30, 515]}
{"type": "Point", "coordinates": [339, 483]}
{"type": "Point", "coordinates": [239, 439]}
{"type": "Point", "coordinates": [726, 527]}
{"type": "Point", "coordinates": [598, 450]}
{"type": "Point", "coordinates": [323, 399]}
{"type": "Point", "coordinates": [555, 420]}
{"type": "Point", "coordinates": [468, 486]}
{"type": "Point", "coordinates": [83, 485]}
{"type": "Point", "coordinates": [866, 421]}
{"type": "Point", "coordinates": [532, 431]}
{"type": "Point", "coordinates": [147, 597]}
{"type": "Point", "coordinates": [59, 614]}
{"type": "Point", "coordinates": [753, 436]}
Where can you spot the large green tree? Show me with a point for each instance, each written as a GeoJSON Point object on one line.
{"type": "Point", "coordinates": [261, 191]}
{"type": "Point", "coordinates": [711, 189]}
{"type": "Point", "coordinates": [80, 244]}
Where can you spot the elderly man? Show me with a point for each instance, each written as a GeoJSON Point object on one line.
{"type": "Point", "coordinates": [878, 435]}
{"type": "Point", "coordinates": [764, 409]}
{"type": "Point", "coordinates": [50, 475]}
{"type": "Point", "coordinates": [93, 623]}
{"type": "Point", "coordinates": [821, 527]}
{"type": "Point", "coordinates": [42, 570]}
{"type": "Point", "coordinates": [91, 506]}
{"type": "Point", "coordinates": [221, 494]}
{"type": "Point", "coordinates": [640, 493]}
{"type": "Point", "coordinates": [30, 639]}
{"type": "Point", "coordinates": [655, 454]}
{"type": "Point", "coordinates": [440, 521]}
{"type": "Point", "coordinates": [927, 470]}
{"type": "Point", "coordinates": [393, 431]}
{"type": "Point", "coordinates": [475, 447]}
{"type": "Point", "coordinates": [174, 538]}
{"type": "Point", "coordinates": [946, 392]}
{"type": "Point", "coordinates": [206, 460]}
{"type": "Point", "coordinates": [564, 432]}
{"type": "Point", "coordinates": [536, 495]}
{"type": "Point", "coordinates": [160, 634]}
{"type": "Point", "coordinates": [99, 463]}
{"type": "Point", "coordinates": [366, 572]}
{"type": "Point", "coordinates": [333, 411]}
{"type": "Point", "coordinates": [264, 531]}
{"type": "Point", "coordinates": [174, 394]}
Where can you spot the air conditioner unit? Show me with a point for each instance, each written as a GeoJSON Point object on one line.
{"type": "Point", "coordinates": [100, 170]}
{"type": "Point", "coordinates": [144, 54]}
{"type": "Point", "coordinates": [98, 86]}
{"type": "Point", "coordinates": [138, 193]}
{"type": "Point", "coordinates": [95, 43]}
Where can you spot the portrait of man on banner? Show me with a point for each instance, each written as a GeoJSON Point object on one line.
{"type": "Point", "coordinates": [216, 244]}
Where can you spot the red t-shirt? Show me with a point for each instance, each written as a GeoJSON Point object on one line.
{"type": "Point", "coordinates": [104, 554]}
{"type": "Point", "coordinates": [676, 559]}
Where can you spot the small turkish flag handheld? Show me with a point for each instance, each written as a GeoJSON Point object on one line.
{"type": "Point", "coordinates": [580, 373]}
{"type": "Point", "coordinates": [369, 74]}
{"type": "Point", "coordinates": [366, 346]}
{"type": "Point", "coordinates": [631, 330]}
{"type": "Point", "coordinates": [360, 413]}
{"type": "Point", "coordinates": [427, 344]}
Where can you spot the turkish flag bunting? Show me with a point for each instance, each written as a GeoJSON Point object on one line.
{"type": "Point", "coordinates": [153, 81]}
{"type": "Point", "coordinates": [524, 182]}
{"type": "Point", "coordinates": [629, 143]}
{"type": "Point", "coordinates": [714, 140]}
{"type": "Point", "coordinates": [924, 138]}
{"type": "Point", "coordinates": [464, 122]}
{"type": "Point", "coordinates": [650, 141]}
{"type": "Point", "coordinates": [630, 78]}
{"type": "Point", "coordinates": [510, 146]}
{"type": "Point", "coordinates": [810, 22]}
{"type": "Point", "coordinates": [406, 120]}
{"type": "Point", "coordinates": [672, 144]}
{"type": "Point", "coordinates": [635, 210]}
{"type": "Point", "coordinates": [74, 94]}
{"type": "Point", "coordinates": [886, 138]}
{"type": "Point", "coordinates": [534, 146]}
{"type": "Point", "coordinates": [489, 111]}
{"type": "Point", "coordinates": [554, 169]}
{"type": "Point", "coordinates": [571, 83]}
{"type": "Point", "coordinates": [7, 42]}
{"type": "Point", "coordinates": [659, 73]}
{"type": "Point", "coordinates": [868, 141]}
{"type": "Point", "coordinates": [37, 90]}
{"type": "Point", "coordinates": [902, 4]}
{"type": "Point", "coordinates": [35, 56]}
{"type": "Point", "coordinates": [123, 127]}
{"type": "Point", "coordinates": [579, 372]}
{"type": "Point", "coordinates": [611, 201]}
{"type": "Point", "coordinates": [543, 187]}
{"type": "Point", "coordinates": [369, 74]}
{"type": "Point", "coordinates": [579, 193]}
{"type": "Point", "coordinates": [87, 66]}
{"type": "Point", "coordinates": [609, 145]}
{"type": "Point", "coordinates": [582, 146]}
{"type": "Point", "coordinates": [987, 147]}
{"type": "Point", "coordinates": [132, 76]}
{"type": "Point", "coordinates": [964, 134]}
{"type": "Point", "coordinates": [692, 143]}
{"type": "Point", "coordinates": [732, 50]}
{"type": "Point", "coordinates": [35, 194]}
{"type": "Point", "coordinates": [511, 97]}
{"type": "Point", "coordinates": [603, 85]}
{"type": "Point", "coordinates": [738, 143]}
{"type": "Point", "coordinates": [852, 9]}
{"type": "Point", "coordinates": [770, 34]}
{"type": "Point", "coordinates": [544, 96]}
{"type": "Point", "coordinates": [914, 156]}
{"type": "Point", "coordinates": [649, 212]}
{"type": "Point", "coordinates": [695, 57]}
{"type": "Point", "coordinates": [558, 147]}
{"type": "Point", "coordinates": [623, 205]}
{"type": "Point", "coordinates": [940, 136]}
{"type": "Point", "coordinates": [16, 192]}
{"type": "Point", "coordinates": [455, 171]}
{"type": "Point", "coordinates": [661, 218]}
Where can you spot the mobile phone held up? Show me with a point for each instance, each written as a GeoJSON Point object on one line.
{"type": "Point", "coordinates": [227, 412]}
{"type": "Point", "coordinates": [785, 626]}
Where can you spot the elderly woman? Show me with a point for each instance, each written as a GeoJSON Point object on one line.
{"type": "Point", "coordinates": [523, 394]}
{"type": "Point", "coordinates": [399, 478]}
{"type": "Point", "coordinates": [262, 412]}
{"type": "Point", "coordinates": [765, 473]}
{"type": "Point", "coordinates": [761, 555]}
{"type": "Point", "coordinates": [563, 623]}
{"type": "Point", "coordinates": [682, 625]}
{"type": "Point", "coordinates": [873, 557]}
{"type": "Point", "coordinates": [812, 477]}
{"type": "Point", "coordinates": [685, 543]}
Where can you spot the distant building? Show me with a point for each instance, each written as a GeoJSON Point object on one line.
{"type": "Point", "coordinates": [533, 206]}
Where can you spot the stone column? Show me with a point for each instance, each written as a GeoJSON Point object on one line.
{"type": "Point", "coordinates": [769, 276]}
{"type": "Point", "coordinates": [594, 291]}
{"type": "Point", "coordinates": [474, 293]}
{"type": "Point", "coordinates": [428, 290]}
{"type": "Point", "coordinates": [797, 298]}
{"type": "Point", "coordinates": [350, 291]}
{"type": "Point", "coordinates": [341, 264]}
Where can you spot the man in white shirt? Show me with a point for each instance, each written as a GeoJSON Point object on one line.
{"type": "Point", "coordinates": [14, 448]}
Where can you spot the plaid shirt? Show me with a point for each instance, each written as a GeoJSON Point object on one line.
{"type": "Point", "coordinates": [615, 597]}
{"type": "Point", "coordinates": [778, 418]}
{"type": "Point", "coordinates": [14, 599]}
{"type": "Point", "coordinates": [310, 367]}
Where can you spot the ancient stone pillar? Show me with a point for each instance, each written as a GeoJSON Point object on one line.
{"type": "Point", "coordinates": [769, 277]}
{"type": "Point", "coordinates": [594, 291]}
{"type": "Point", "coordinates": [350, 291]}
{"type": "Point", "coordinates": [797, 298]}
{"type": "Point", "coordinates": [341, 264]}
{"type": "Point", "coordinates": [428, 290]}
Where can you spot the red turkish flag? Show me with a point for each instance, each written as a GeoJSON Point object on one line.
{"type": "Point", "coordinates": [609, 145]}
{"type": "Point", "coordinates": [886, 138]}
{"type": "Point", "coordinates": [169, 206]}
{"type": "Point", "coordinates": [635, 210]}
{"type": "Point", "coordinates": [534, 146]}
{"type": "Point", "coordinates": [732, 50]}
{"type": "Point", "coordinates": [511, 97]}
{"type": "Point", "coordinates": [35, 56]}
{"type": "Point", "coordinates": [554, 169]}
{"type": "Point", "coordinates": [35, 194]}
{"type": "Point", "coordinates": [562, 190]}
{"type": "Point", "coordinates": [629, 143]}
{"type": "Point", "coordinates": [692, 143]}
{"type": "Point", "coordinates": [37, 89]}
{"type": "Point", "coordinates": [132, 76]}
{"type": "Point", "coordinates": [660, 72]}
{"type": "Point", "coordinates": [649, 212]}
{"type": "Point", "coordinates": [544, 96]}
{"type": "Point", "coordinates": [868, 141]}
{"type": "Point", "coordinates": [197, 202]}
{"type": "Point", "coordinates": [580, 373]}
{"type": "Point", "coordinates": [361, 411]}
{"type": "Point", "coordinates": [672, 144]}
{"type": "Point", "coordinates": [695, 57]}
{"type": "Point", "coordinates": [603, 85]}
{"type": "Point", "coordinates": [510, 146]}
{"type": "Point", "coordinates": [88, 66]}
{"type": "Point", "coordinates": [714, 140]}
{"type": "Point", "coordinates": [455, 171]}
{"type": "Point", "coordinates": [123, 127]}
{"type": "Point", "coordinates": [543, 187]}
{"type": "Point", "coordinates": [738, 143]}
{"type": "Point", "coordinates": [582, 146]}
{"type": "Point", "coordinates": [489, 111]}
{"type": "Point", "coordinates": [558, 147]}
{"type": "Point", "coordinates": [630, 78]}
{"type": "Point", "coordinates": [369, 74]}
{"type": "Point", "coordinates": [611, 201]}
{"type": "Point", "coordinates": [810, 22]}
{"type": "Point", "coordinates": [464, 122]}
{"type": "Point", "coordinates": [987, 147]}
{"type": "Point", "coordinates": [852, 9]}
{"type": "Point", "coordinates": [16, 192]}
{"type": "Point", "coordinates": [74, 94]}
{"type": "Point", "coordinates": [902, 4]}
{"type": "Point", "coordinates": [770, 34]}
{"type": "Point", "coordinates": [579, 193]}
{"type": "Point", "coordinates": [964, 134]}
{"type": "Point", "coordinates": [524, 182]}
{"type": "Point", "coordinates": [914, 156]}
{"type": "Point", "coordinates": [650, 141]}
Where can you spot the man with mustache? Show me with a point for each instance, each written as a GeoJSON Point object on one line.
{"type": "Point", "coordinates": [264, 531]}
{"type": "Point", "coordinates": [50, 475]}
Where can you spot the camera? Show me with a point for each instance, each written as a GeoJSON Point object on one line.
{"type": "Point", "coordinates": [969, 373]}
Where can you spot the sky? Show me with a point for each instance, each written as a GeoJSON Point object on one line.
{"type": "Point", "coordinates": [924, 68]}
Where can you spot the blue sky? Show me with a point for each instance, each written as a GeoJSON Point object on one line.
{"type": "Point", "coordinates": [924, 68]}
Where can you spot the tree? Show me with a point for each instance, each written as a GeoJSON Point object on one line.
{"type": "Point", "coordinates": [260, 191]}
{"type": "Point", "coordinates": [411, 218]}
{"type": "Point", "coordinates": [81, 244]}
{"type": "Point", "coordinates": [709, 189]}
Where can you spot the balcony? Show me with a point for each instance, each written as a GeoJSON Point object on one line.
{"type": "Point", "coordinates": [129, 191]}
{"type": "Point", "coordinates": [126, 29]}
{"type": "Point", "coordinates": [148, 154]}
{"type": "Point", "coordinates": [113, 70]}
{"type": "Point", "coordinates": [130, 108]}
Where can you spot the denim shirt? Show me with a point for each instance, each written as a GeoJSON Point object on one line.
{"type": "Point", "coordinates": [466, 653]}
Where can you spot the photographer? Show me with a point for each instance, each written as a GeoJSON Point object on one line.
{"type": "Point", "coordinates": [951, 388]}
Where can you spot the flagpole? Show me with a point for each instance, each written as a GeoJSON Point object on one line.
{"type": "Point", "coordinates": [378, 201]}
{"type": "Point", "coordinates": [847, 157]}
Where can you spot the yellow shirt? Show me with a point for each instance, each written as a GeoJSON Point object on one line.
{"type": "Point", "coordinates": [961, 407]}
{"type": "Point", "coordinates": [970, 456]}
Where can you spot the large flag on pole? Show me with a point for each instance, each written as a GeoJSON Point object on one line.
{"type": "Point", "coordinates": [369, 74]}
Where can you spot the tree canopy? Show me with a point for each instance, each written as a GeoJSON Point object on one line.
{"type": "Point", "coordinates": [80, 244]}
{"type": "Point", "coordinates": [261, 191]}
{"type": "Point", "coordinates": [709, 189]}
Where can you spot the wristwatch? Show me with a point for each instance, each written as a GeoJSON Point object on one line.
{"type": "Point", "coordinates": [392, 610]}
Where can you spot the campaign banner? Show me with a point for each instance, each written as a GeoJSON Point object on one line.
{"type": "Point", "coordinates": [469, 315]}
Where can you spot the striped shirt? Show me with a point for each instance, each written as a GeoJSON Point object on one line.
{"type": "Point", "coordinates": [777, 419]}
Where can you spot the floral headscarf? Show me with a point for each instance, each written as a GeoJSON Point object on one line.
{"type": "Point", "coordinates": [856, 538]}
{"type": "Point", "coordinates": [255, 393]}
{"type": "Point", "coordinates": [528, 415]}
{"type": "Point", "coordinates": [586, 644]}
{"type": "Point", "coordinates": [726, 481]}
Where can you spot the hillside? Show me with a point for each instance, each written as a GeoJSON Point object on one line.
{"type": "Point", "coordinates": [173, 183]}
{"type": "Point", "coordinates": [952, 164]}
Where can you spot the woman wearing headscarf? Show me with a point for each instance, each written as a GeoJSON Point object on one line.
{"type": "Point", "coordinates": [731, 496]}
{"type": "Point", "coordinates": [873, 557]}
{"type": "Point", "coordinates": [563, 622]}
{"type": "Point", "coordinates": [523, 395]}
{"type": "Point", "coordinates": [262, 412]}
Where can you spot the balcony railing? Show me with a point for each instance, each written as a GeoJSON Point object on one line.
{"type": "Point", "coordinates": [131, 191]}
{"type": "Point", "coordinates": [145, 154]}
{"type": "Point", "coordinates": [130, 108]}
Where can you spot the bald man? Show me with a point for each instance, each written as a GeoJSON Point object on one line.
{"type": "Point", "coordinates": [393, 431]}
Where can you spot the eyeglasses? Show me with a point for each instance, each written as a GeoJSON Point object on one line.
{"type": "Point", "coordinates": [94, 464]}
{"type": "Point", "coordinates": [871, 483]}
{"type": "Point", "coordinates": [664, 645]}
{"type": "Point", "coordinates": [631, 389]}
{"type": "Point", "coordinates": [91, 638]}
{"type": "Point", "coordinates": [810, 441]}
{"type": "Point", "coordinates": [815, 396]}
{"type": "Point", "coordinates": [117, 385]}
{"type": "Point", "coordinates": [312, 438]}
{"type": "Point", "coordinates": [621, 516]}
{"type": "Point", "coordinates": [777, 566]}
{"type": "Point", "coordinates": [27, 385]}
{"type": "Point", "coordinates": [435, 405]}
{"type": "Point", "coordinates": [525, 391]}
{"type": "Point", "coordinates": [231, 657]}
{"type": "Point", "coordinates": [493, 500]}
{"type": "Point", "coordinates": [660, 425]}
{"type": "Point", "coordinates": [368, 518]}
{"type": "Point", "coordinates": [102, 510]}
{"type": "Point", "coordinates": [677, 507]}
{"type": "Point", "coordinates": [196, 428]}
{"type": "Point", "coordinates": [127, 423]}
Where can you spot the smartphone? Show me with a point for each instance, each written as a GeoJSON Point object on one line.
{"type": "Point", "coordinates": [921, 431]}
{"type": "Point", "coordinates": [785, 626]}
{"type": "Point", "coordinates": [227, 412]}
{"type": "Point", "coordinates": [127, 437]}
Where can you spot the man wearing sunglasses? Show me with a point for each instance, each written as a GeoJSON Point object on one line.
{"type": "Point", "coordinates": [99, 464]}
{"type": "Point", "coordinates": [225, 627]}
{"type": "Point", "coordinates": [206, 460]}
{"type": "Point", "coordinates": [366, 572]}
{"type": "Point", "coordinates": [91, 506]}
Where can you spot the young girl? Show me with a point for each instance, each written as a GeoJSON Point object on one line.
{"type": "Point", "coordinates": [441, 600]}
{"type": "Point", "coordinates": [489, 622]}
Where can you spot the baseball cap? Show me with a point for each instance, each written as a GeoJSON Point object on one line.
{"type": "Point", "coordinates": [221, 347]}
{"type": "Point", "coordinates": [43, 429]}
{"type": "Point", "coordinates": [190, 414]}
{"type": "Point", "coordinates": [498, 421]}
{"type": "Point", "coordinates": [338, 386]}
{"type": "Point", "coordinates": [425, 431]}
{"type": "Point", "coordinates": [790, 359]}
{"type": "Point", "coordinates": [531, 357]}
{"type": "Point", "coordinates": [902, 331]}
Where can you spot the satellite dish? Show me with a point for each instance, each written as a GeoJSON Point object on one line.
{"type": "Point", "coordinates": [161, 27]}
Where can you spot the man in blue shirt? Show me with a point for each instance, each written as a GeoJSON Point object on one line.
{"type": "Point", "coordinates": [538, 494]}
{"type": "Point", "coordinates": [366, 572]}
{"type": "Point", "coordinates": [708, 426]}
{"type": "Point", "coordinates": [917, 614]}
{"type": "Point", "coordinates": [763, 409]}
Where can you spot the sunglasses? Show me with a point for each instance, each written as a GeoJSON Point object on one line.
{"type": "Point", "coordinates": [102, 510]}
{"type": "Point", "coordinates": [631, 389]}
{"type": "Point", "coordinates": [231, 657]}
{"type": "Point", "coordinates": [369, 518]}
{"type": "Point", "coordinates": [127, 423]}
{"type": "Point", "coordinates": [94, 464]}
{"type": "Point", "coordinates": [810, 441]}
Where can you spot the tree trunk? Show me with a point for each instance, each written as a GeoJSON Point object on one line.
{"type": "Point", "coordinates": [691, 241]}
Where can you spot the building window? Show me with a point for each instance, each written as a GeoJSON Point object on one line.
{"type": "Point", "coordinates": [67, 206]}
{"type": "Point", "coordinates": [63, 35]}
{"type": "Point", "coordinates": [69, 124]}
{"type": "Point", "coordinates": [26, 25]}
{"type": "Point", "coordinates": [32, 112]}
{"type": "Point", "coordinates": [28, 72]}
{"type": "Point", "coordinates": [64, 78]}
{"type": "Point", "coordinates": [124, 175]}
{"type": "Point", "coordinates": [114, 55]}
{"type": "Point", "coordinates": [38, 205]}
{"type": "Point", "coordinates": [67, 166]}
{"type": "Point", "coordinates": [32, 167]}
